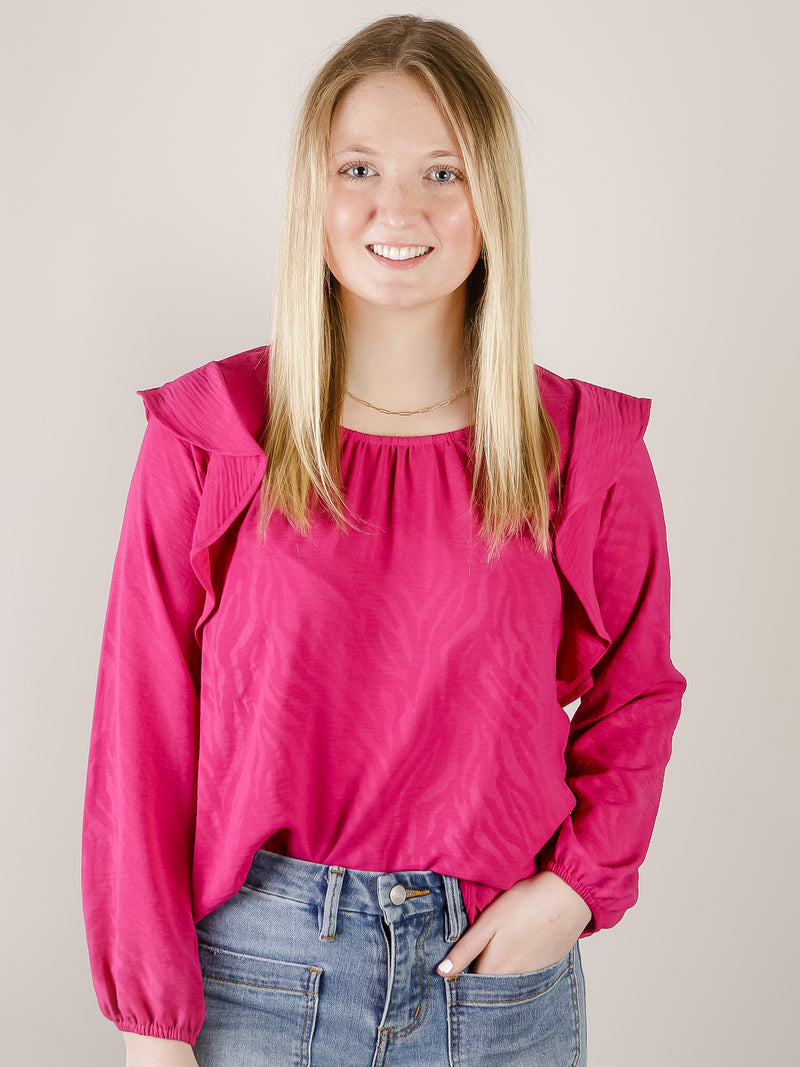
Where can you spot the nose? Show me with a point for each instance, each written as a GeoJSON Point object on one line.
{"type": "Point", "coordinates": [399, 202]}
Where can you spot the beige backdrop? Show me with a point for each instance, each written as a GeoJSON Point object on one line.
{"type": "Point", "coordinates": [145, 153]}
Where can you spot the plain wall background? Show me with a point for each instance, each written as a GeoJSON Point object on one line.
{"type": "Point", "coordinates": [145, 151]}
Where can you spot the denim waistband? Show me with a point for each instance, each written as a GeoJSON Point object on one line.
{"type": "Point", "coordinates": [333, 889]}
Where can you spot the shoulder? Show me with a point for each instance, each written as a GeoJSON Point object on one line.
{"type": "Point", "coordinates": [598, 429]}
{"type": "Point", "coordinates": [219, 407]}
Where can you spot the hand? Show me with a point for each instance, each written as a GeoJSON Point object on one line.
{"type": "Point", "coordinates": [157, 1052]}
{"type": "Point", "coordinates": [531, 925]}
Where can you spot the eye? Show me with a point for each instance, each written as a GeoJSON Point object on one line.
{"type": "Point", "coordinates": [355, 171]}
{"type": "Point", "coordinates": [446, 175]}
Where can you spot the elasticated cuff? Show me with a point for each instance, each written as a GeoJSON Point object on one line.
{"type": "Point", "coordinates": [151, 1029]}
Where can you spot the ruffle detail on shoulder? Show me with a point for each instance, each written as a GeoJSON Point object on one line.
{"type": "Point", "coordinates": [598, 429]}
{"type": "Point", "coordinates": [218, 409]}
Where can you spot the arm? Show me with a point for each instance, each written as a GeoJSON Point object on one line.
{"type": "Point", "coordinates": [620, 737]}
{"type": "Point", "coordinates": [617, 750]}
{"type": "Point", "coordinates": [140, 795]}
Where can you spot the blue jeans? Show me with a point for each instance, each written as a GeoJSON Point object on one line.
{"type": "Point", "coordinates": [320, 966]}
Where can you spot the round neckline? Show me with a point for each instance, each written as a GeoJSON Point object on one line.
{"type": "Point", "coordinates": [461, 431]}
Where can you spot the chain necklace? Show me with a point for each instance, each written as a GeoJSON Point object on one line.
{"type": "Point", "coordinates": [419, 411]}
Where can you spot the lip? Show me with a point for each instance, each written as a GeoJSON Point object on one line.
{"type": "Point", "coordinates": [398, 264]}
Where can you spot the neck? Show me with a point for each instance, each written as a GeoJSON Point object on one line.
{"type": "Point", "coordinates": [404, 358]}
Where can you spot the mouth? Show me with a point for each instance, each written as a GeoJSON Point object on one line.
{"type": "Point", "coordinates": [400, 252]}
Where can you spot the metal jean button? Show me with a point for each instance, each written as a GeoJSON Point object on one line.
{"type": "Point", "coordinates": [397, 894]}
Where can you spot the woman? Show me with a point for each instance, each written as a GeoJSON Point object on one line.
{"type": "Point", "coordinates": [330, 756]}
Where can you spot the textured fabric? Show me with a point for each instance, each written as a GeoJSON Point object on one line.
{"type": "Point", "coordinates": [319, 965]}
{"type": "Point", "coordinates": [280, 692]}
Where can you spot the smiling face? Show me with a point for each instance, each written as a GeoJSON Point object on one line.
{"type": "Point", "coordinates": [399, 224]}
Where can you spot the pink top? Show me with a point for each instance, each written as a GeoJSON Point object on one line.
{"type": "Point", "coordinates": [383, 699]}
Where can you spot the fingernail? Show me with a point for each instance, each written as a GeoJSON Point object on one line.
{"type": "Point", "coordinates": [446, 966]}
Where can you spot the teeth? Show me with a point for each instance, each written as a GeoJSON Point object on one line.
{"type": "Point", "coordinates": [393, 252]}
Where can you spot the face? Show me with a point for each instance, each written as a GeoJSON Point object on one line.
{"type": "Point", "coordinates": [400, 226]}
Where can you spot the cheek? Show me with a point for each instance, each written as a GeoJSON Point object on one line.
{"type": "Point", "coordinates": [344, 217]}
{"type": "Point", "coordinates": [344, 226]}
{"type": "Point", "coordinates": [463, 228]}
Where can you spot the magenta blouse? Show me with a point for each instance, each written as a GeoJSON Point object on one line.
{"type": "Point", "coordinates": [382, 698]}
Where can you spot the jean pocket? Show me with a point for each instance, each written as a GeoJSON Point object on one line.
{"type": "Point", "coordinates": [507, 1020]}
{"type": "Point", "coordinates": [259, 1012]}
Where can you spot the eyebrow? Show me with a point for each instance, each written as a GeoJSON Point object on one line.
{"type": "Point", "coordinates": [365, 150]}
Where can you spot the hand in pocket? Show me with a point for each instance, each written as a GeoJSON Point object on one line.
{"type": "Point", "coordinates": [530, 926]}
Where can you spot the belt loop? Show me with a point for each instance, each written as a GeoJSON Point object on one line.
{"type": "Point", "coordinates": [453, 916]}
{"type": "Point", "coordinates": [327, 930]}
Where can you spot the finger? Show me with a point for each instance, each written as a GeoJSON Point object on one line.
{"type": "Point", "coordinates": [466, 949]}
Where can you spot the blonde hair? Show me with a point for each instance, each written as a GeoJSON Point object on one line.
{"type": "Point", "coordinates": [516, 449]}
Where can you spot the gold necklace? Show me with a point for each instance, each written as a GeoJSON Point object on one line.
{"type": "Point", "coordinates": [419, 411]}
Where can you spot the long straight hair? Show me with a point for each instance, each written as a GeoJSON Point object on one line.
{"type": "Point", "coordinates": [516, 452]}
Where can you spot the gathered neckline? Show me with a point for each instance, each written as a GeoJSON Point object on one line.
{"type": "Point", "coordinates": [462, 431]}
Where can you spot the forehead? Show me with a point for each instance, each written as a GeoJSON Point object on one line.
{"type": "Point", "coordinates": [392, 106]}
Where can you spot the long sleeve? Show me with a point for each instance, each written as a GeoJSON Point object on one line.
{"type": "Point", "coordinates": [620, 737]}
{"type": "Point", "coordinates": [139, 816]}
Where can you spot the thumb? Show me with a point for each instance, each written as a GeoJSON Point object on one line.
{"type": "Point", "coordinates": [466, 949]}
